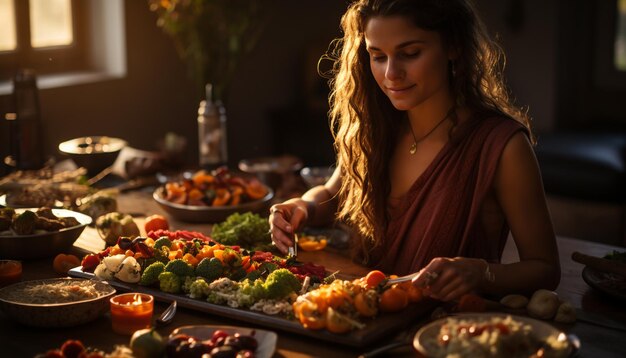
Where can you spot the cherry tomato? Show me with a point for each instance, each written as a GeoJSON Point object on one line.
{"type": "Point", "coordinates": [217, 334]}
{"type": "Point", "coordinates": [156, 222]}
{"type": "Point", "coordinates": [90, 262]}
{"type": "Point", "coordinates": [393, 299]}
{"type": "Point", "coordinates": [374, 278]}
{"type": "Point", "coordinates": [72, 348]}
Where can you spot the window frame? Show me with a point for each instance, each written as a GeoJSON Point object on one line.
{"type": "Point", "coordinates": [47, 60]}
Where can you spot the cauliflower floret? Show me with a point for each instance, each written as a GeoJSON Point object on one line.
{"type": "Point", "coordinates": [113, 262]}
{"type": "Point", "coordinates": [129, 271]}
{"type": "Point", "coordinates": [102, 272]}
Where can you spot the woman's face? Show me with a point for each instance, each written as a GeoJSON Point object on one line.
{"type": "Point", "coordinates": [409, 64]}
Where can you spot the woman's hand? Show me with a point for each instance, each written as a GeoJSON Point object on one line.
{"type": "Point", "coordinates": [448, 279]}
{"type": "Point", "coordinates": [285, 220]}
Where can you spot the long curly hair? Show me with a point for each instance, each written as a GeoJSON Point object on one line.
{"type": "Point", "coordinates": [364, 122]}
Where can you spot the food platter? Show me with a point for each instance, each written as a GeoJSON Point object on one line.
{"type": "Point", "coordinates": [610, 284]}
{"type": "Point", "coordinates": [208, 214]}
{"type": "Point", "coordinates": [44, 244]}
{"type": "Point", "coordinates": [375, 329]}
{"type": "Point", "coordinates": [426, 339]}
{"type": "Point", "coordinates": [266, 339]}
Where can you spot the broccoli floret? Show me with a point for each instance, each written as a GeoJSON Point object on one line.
{"type": "Point", "coordinates": [199, 289]}
{"type": "Point", "coordinates": [162, 254]}
{"type": "Point", "coordinates": [169, 282]}
{"type": "Point", "coordinates": [187, 281]}
{"type": "Point", "coordinates": [150, 275]}
{"type": "Point", "coordinates": [281, 282]}
{"type": "Point", "coordinates": [179, 267]}
{"type": "Point", "coordinates": [254, 274]}
{"type": "Point", "coordinates": [267, 267]}
{"type": "Point", "coordinates": [237, 274]}
{"type": "Point", "coordinates": [209, 268]}
{"type": "Point", "coordinates": [254, 288]}
{"type": "Point", "coordinates": [163, 241]}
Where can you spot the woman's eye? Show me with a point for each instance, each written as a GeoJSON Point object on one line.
{"type": "Point", "coordinates": [377, 58]}
{"type": "Point", "coordinates": [412, 54]}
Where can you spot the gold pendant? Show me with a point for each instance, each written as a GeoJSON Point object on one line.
{"type": "Point", "coordinates": [413, 148]}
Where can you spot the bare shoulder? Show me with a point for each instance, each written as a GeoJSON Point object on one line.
{"type": "Point", "coordinates": [518, 165]}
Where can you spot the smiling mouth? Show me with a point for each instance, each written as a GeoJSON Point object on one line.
{"type": "Point", "coordinates": [399, 89]}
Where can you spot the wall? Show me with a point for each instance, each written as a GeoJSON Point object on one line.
{"type": "Point", "coordinates": [157, 97]}
{"type": "Point", "coordinates": [531, 50]}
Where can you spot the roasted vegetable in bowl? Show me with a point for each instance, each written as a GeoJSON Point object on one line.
{"type": "Point", "coordinates": [218, 188]}
{"type": "Point", "coordinates": [31, 221]}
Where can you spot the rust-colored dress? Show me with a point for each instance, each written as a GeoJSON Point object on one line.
{"type": "Point", "coordinates": [439, 216]}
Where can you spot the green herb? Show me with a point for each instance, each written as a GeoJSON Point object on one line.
{"type": "Point", "coordinates": [248, 230]}
{"type": "Point", "coordinates": [617, 256]}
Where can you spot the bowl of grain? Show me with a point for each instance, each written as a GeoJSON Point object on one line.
{"type": "Point", "coordinates": [57, 302]}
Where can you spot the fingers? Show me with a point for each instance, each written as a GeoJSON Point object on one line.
{"type": "Point", "coordinates": [284, 220]}
{"type": "Point", "coordinates": [445, 279]}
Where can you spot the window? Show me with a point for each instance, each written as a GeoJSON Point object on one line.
{"type": "Point", "coordinates": [66, 42]}
{"type": "Point", "coordinates": [45, 35]}
{"type": "Point", "coordinates": [620, 36]}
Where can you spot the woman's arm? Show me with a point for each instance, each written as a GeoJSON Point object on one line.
{"type": "Point", "coordinates": [316, 207]}
{"type": "Point", "coordinates": [519, 191]}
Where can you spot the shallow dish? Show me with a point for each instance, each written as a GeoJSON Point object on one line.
{"type": "Point", "coordinates": [265, 339]}
{"type": "Point", "coordinates": [55, 314]}
{"type": "Point", "coordinates": [209, 214]}
{"type": "Point", "coordinates": [95, 153]}
{"type": "Point", "coordinates": [610, 284]}
{"type": "Point", "coordinates": [337, 238]}
{"type": "Point", "coordinates": [426, 342]}
{"type": "Point", "coordinates": [46, 244]}
{"type": "Point", "coordinates": [314, 176]}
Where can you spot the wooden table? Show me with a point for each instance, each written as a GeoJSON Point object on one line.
{"type": "Point", "coordinates": [21, 341]}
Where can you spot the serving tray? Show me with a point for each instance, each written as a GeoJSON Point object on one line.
{"type": "Point", "coordinates": [375, 329]}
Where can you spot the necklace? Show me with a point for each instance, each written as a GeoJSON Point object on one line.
{"type": "Point", "coordinates": [413, 148]}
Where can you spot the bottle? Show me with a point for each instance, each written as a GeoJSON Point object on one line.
{"type": "Point", "coordinates": [26, 145]}
{"type": "Point", "coordinates": [212, 132]}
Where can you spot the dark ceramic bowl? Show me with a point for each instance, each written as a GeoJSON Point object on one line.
{"type": "Point", "coordinates": [45, 244]}
{"type": "Point", "coordinates": [95, 153]}
{"type": "Point", "coordinates": [209, 214]}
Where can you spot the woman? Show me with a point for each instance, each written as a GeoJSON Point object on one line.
{"type": "Point", "coordinates": [434, 162]}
